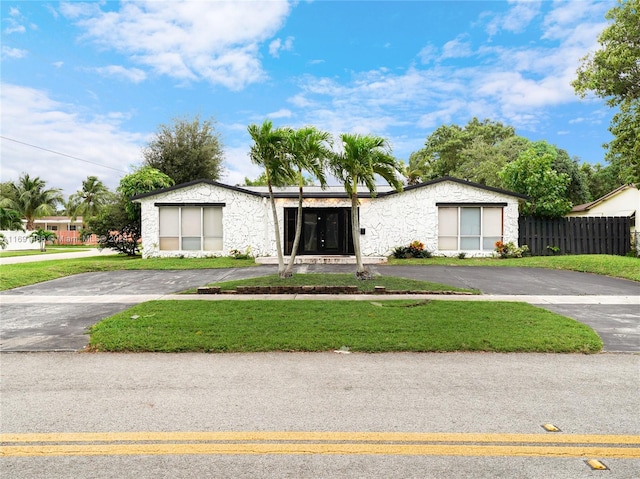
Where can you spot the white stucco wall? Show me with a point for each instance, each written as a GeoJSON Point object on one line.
{"type": "Point", "coordinates": [243, 220]}
{"type": "Point", "coordinates": [389, 221]}
{"type": "Point", "coordinates": [19, 241]}
{"type": "Point", "coordinates": [412, 215]}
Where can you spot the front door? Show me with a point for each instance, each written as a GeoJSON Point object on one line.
{"type": "Point", "coordinates": [324, 231]}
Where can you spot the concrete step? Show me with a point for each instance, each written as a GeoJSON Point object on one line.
{"type": "Point", "coordinates": [323, 259]}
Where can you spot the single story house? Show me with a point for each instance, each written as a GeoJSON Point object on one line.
{"type": "Point", "coordinates": [207, 218]}
{"type": "Point", "coordinates": [623, 201]}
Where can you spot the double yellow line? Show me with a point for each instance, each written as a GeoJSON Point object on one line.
{"type": "Point", "coordinates": [372, 443]}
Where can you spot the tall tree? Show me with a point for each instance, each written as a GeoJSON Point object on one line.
{"type": "Point", "coordinates": [363, 159]}
{"type": "Point", "coordinates": [613, 73]}
{"type": "Point", "coordinates": [448, 148]}
{"type": "Point", "coordinates": [309, 151]}
{"type": "Point", "coordinates": [600, 180]}
{"type": "Point", "coordinates": [31, 199]}
{"type": "Point", "coordinates": [118, 224]}
{"type": "Point", "coordinates": [269, 150]}
{"type": "Point", "coordinates": [415, 170]}
{"type": "Point", "coordinates": [532, 174]}
{"type": "Point", "coordinates": [88, 201]}
{"type": "Point", "coordinates": [187, 150]}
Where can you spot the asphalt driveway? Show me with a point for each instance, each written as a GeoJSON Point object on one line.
{"type": "Point", "coordinates": [37, 318]}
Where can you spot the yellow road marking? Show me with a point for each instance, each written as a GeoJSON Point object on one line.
{"type": "Point", "coordinates": [319, 436]}
{"type": "Point", "coordinates": [323, 448]}
{"type": "Point", "coordinates": [373, 443]}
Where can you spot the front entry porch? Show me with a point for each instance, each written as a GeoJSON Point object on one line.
{"type": "Point", "coordinates": [325, 231]}
{"type": "Point", "coordinates": [323, 259]}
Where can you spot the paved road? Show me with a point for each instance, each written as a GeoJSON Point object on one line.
{"type": "Point", "coordinates": [54, 315]}
{"type": "Point", "coordinates": [503, 399]}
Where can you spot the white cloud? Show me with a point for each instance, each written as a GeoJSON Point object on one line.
{"type": "Point", "coordinates": [457, 48]}
{"type": "Point", "coordinates": [8, 52]}
{"type": "Point", "coordinates": [31, 116]}
{"type": "Point", "coordinates": [428, 54]}
{"type": "Point", "coordinates": [277, 46]}
{"type": "Point", "coordinates": [238, 165]}
{"type": "Point", "coordinates": [282, 113]}
{"type": "Point", "coordinates": [517, 19]}
{"type": "Point", "coordinates": [190, 41]}
{"type": "Point", "coordinates": [133, 75]}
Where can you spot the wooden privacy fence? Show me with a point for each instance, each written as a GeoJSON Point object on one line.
{"type": "Point", "coordinates": [576, 235]}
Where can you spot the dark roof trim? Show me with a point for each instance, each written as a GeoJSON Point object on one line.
{"type": "Point", "coordinates": [328, 194]}
{"type": "Point", "coordinates": [193, 183]}
{"type": "Point", "coordinates": [462, 182]}
{"type": "Point", "coordinates": [602, 199]}
{"type": "Point", "coordinates": [474, 205]}
{"type": "Point", "coordinates": [219, 205]}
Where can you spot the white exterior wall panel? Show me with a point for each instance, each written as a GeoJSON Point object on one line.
{"type": "Point", "coordinates": [389, 221]}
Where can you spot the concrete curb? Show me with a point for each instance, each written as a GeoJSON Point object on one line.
{"type": "Point", "coordinates": [141, 298]}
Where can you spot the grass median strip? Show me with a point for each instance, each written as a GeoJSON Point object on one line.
{"type": "Point", "coordinates": [390, 326]}
{"type": "Point", "coordinates": [391, 283]}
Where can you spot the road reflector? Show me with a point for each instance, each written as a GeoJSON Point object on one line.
{"type": "Point", "coordinates": [550, 428]}
{"type": "Point", "coordinates": [596, 465]}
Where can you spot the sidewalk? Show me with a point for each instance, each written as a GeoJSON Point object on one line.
{"type": "Point", "coordinates": [141, 298]}
{"type": "Point", "coordinates": [54, 256]}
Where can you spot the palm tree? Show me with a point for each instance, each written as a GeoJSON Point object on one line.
{"type": "Point", "coordinates": [363, 157]}
{"type": "Point", "coordinates": [309, 151]}
{"type": "Point", "coordinates": [10, 220]}
{"type": "Point", "coordinates": [415, 171]}
{"type": "Point", "coordinates": [42, 236]}
{"type": "Point", "coordinates": [269, 150]}
{"type": "Point", "coordinates": [32, 200]}
{"type": "Point", "coordinates": [88, 201]}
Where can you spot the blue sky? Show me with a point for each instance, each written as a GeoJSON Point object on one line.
{"type": "Point", "coordinates": [94, 80]}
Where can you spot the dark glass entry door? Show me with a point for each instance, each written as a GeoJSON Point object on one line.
{"type": "Point", "coordinates": [324, 231]}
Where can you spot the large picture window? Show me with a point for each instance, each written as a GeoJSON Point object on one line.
{"type": "Point", "coordinates": [191, 228]}
{"type": "Point", "coordinates": [469, 228]}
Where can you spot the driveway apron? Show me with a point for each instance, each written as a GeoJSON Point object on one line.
{"type": "Point", "coordinates": [38, 319]}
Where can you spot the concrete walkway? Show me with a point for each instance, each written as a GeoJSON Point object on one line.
{"type": "Point", "coordinates": [53, 256]}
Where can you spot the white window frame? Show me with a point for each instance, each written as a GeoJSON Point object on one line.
{"type": "Point", "coordinates": [202, 237]}
{"type": "Point", "coordinates": [482, 236]}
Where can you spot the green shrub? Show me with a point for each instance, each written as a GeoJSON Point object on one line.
{"type": "Point", "coordinates": [414, 250]}
{"type": "Point", "coordinates": [510, 250]}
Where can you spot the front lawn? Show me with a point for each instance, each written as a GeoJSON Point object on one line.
{"type": "Point", "coordinates": [625, 267]}
{"type": "Point", "coordinates": [385, 326]}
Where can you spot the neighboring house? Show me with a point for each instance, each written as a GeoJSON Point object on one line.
{"type": "Point", "coordinates": [67, 229]}
{"type": "Point", "coordinates": [623, 201]}
{"type": "Point", "coordinates": [207, 218]}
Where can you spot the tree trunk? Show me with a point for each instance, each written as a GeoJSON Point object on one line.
{"type": "Point", "coordinates": [361, 272]}
{"type": "Point", "coordinates": [296, 242]}
{"type": "Point", "coordinates": [276, 226]}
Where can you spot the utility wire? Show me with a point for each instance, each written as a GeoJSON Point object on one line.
{"type": "Point", "coordinates": [62, 154]}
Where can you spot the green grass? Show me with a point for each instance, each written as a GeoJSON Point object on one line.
{"type": "Point", "coordinates": [15, 275]}
{"type": "Point", "coordinates": [389, 282]}
{"type": "Point", "coordinates": [252, 326]}
{"type": "Point", "coordinates": [616, 266]}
